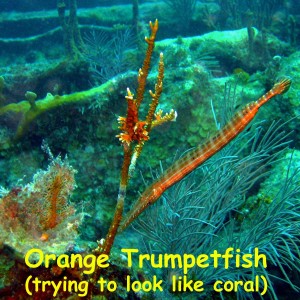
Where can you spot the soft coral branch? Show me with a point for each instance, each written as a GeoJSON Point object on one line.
{"type": "Point", "coordinates": [135, 132]}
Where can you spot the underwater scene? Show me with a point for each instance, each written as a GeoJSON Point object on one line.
{"type": "Point", "coordinates": [150, 149]}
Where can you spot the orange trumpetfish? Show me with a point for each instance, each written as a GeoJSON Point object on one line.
{"type": "Point", "coordinates": [200, 154]}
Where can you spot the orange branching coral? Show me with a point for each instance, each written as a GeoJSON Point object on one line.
{"type": "Point", "coordinates": [143, 72]}
{"type": "Point", "coordinates": [160, 119]}
{"type": "Point", "coordinates": [135, 132]}
{"type": "Point", "coordinates": [133, 129]}
{"type": "Point", "coordinates": [156, 95]}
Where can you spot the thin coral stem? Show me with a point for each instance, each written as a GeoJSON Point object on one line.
{"type": "Point", "coordinates": [156, 95]}
{"type": "Point", "coordinates": [135, 132]}
{"type": "Point", "coordinates": [151, 113]}
{"type": "Point", "coordinates": [143, 72]}
{"type": "Point", "coordinates": [125, 167]}
{"type": "Point", "coordinates": [113, 229]}
{"type": "Point", "coordinates": [112, 232]}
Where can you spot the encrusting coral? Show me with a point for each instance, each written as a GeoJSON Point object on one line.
{"type": "Point", "coordinates": [30, 109]}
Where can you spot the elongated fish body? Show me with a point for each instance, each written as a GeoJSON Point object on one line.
{"type": "Point", "coordinates": [200, 154]}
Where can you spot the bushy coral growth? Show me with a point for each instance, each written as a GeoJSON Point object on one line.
{"type": "Point", "coordinates": [40, 212]}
